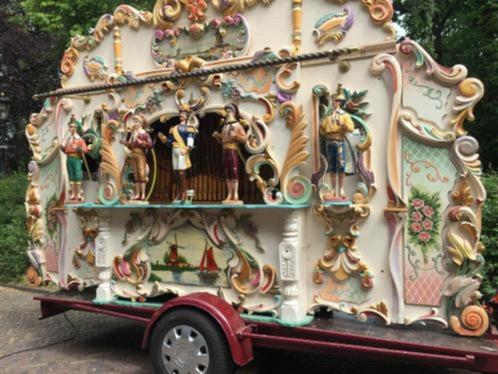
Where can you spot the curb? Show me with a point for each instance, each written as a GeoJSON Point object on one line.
{"type": "Point", "coordinates": [27, 289]}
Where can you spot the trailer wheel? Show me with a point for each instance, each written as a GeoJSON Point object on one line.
{"type": "Point", "coordinates": [185, 341]}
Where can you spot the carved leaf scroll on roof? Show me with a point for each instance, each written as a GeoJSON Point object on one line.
{"type": "Point", "coordinates": [381, 13]}
{"type": "Point", "coordinates": [123, 15]}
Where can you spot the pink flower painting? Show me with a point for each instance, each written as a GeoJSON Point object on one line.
{"type": "Point", "coordinates": [428, 211]}
{"type": "Point", "coordinates": [416, 227]}
{"type": "Point", "coordinates": [424, 236]}
{"type": "Point", "coordinates": [418, 203]}
{"type": "Point", "coordinates": [427, 224]}
{"type": "Point", "coordinates": [417, 217]}
{"type": "Point", "coordinates": [424, 220]}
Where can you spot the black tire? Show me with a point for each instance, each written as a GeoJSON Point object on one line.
{"type": "Point", "coordinates": [220, 358]}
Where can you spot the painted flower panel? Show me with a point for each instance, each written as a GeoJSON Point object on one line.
{"type": "Point", "coordinates": [424, 220]}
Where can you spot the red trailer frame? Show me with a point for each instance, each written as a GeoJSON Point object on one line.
{"type": "Point", "coordinates": [337, 336]}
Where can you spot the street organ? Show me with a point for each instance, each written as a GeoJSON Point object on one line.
{"type": "Point", "coordinates": [287, 156]}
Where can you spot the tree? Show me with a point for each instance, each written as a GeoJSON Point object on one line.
{"type": "Point", "coordinates": [466, 32]}
{"type": "Point", "coordinates": [65, 18]}
{"type": "Point", "coordinates": [26, 66]}
{"type": "Point", "coordinates": [33, 36]}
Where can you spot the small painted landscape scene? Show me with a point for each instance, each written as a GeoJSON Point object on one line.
{"type": "Point", "coordinates": [188, 256]}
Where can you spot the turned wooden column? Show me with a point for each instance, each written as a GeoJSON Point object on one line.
{"type": "Point", "coordinates": [290, 261]}
{"type": "Point", "coordinates": [103, 258]}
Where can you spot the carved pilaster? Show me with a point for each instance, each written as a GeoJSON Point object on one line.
{"type": "Point", "coordinates": [103, 258]}
{"type": "Point", "coordinates": [297, 20]}
{"type": "Point", "coordinates": [118, 55]}
{"type": "Point", "coordinates": [289, 257]}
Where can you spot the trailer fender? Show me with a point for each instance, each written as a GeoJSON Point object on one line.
{"type": "Point", "coordinates": [227, 318]}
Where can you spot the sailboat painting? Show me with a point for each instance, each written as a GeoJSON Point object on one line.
{"type": "Point", "coordinates": [188, 256]}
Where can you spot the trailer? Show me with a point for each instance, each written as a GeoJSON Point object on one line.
{"type": "Point", "coordinates": [239, 170]}
{"type": "Point", "coordinates": [208, 330]}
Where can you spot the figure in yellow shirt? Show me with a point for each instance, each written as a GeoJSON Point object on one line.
{"type": "Point", "coordinates": [334, 128]}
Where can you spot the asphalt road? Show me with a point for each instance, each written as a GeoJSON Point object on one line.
{"type": "Point", "coordinates": [91, 343]}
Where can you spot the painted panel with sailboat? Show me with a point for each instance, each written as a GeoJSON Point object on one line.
{"type": "Point", "coordinates": [188, 256]}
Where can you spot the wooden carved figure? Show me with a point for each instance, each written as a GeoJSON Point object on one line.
{"type": "Point", "coordinates": [181, 139]}
{"type": "Point", "coordinates": [232, 134]}
{"type": "Point", "coordinates": [334, 128]}
{"type": "Point", "coordinates": [138, 142]}
{"type": "Point", "coordinates": [75, 148]}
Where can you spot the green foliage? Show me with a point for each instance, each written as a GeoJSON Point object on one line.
{"type": "Point", "coordinates": [462, 32]}
{"type": "Point", "coordinates": [154, 278]}
{"type": "Point", "coordinates": [28, 64]}
{"type": "Point", "coordinates": [490, 236]}
{"type": "Point", "coordinates": [13, 235]}
{"type": "Point", "coordinates": [64, 18]}
{"type": "Point", "coordinates": [180, 259]}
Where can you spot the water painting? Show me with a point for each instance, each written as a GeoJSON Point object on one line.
{"type": "Point", "coordinates": [188, 256]}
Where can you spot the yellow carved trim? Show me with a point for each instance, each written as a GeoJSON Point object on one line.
{"type": "Point", "coordinates": [109, 165]}
{"type": "Point", "coordinates": [118, 55]}
{"type": "Point", "coordinates": [231, 7]}
{"type": "Point", "coordinates": [34, 222]}
{"type": "Point", "coordinates": [296, 151]}
{"type": "Point", "coordinates": [462, 195]}
{"type": "Point", "coordinates": [471, 91]}
{"type": "Point", "coordinates": [166, 12]}
{"type": "Point", "coordinates": [297, 20]}
{"type": "Point", "coordinates": [415, 168]}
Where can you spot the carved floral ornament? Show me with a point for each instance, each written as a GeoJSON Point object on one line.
{"type": "Point", "coordinates": [226, 37]}
{"type": "Point", "coordinates": [166, 12]}
{"type": "Point", "coordinates": [163, 17]}
{"type": "Point", "coordinates": [342, 259]}
{"type": "Point", "coordinates": [461, 239]}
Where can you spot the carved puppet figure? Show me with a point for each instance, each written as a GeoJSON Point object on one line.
{"type": "Point", "coordinates": [75, 148]}
{"type": "Point", "coordinates": [138, 142]}
{"type": "Point", "coordinates": [232, 134]}
{"type": "Point", "coordinates": [334, 128]}
{"type": "Point", "coordinates": [181, 139]}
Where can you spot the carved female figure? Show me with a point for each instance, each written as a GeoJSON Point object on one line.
{"type": "Point", "coordinates": [75, 148]}
{"type": "Point", "coordinates": [138, 142]}
{"type": "Point", "coordinates": [181, 139]}
{"type": "Point", "coordinates": [334, 128]}
{"type": "Point", "coordinates": [232, 134]}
